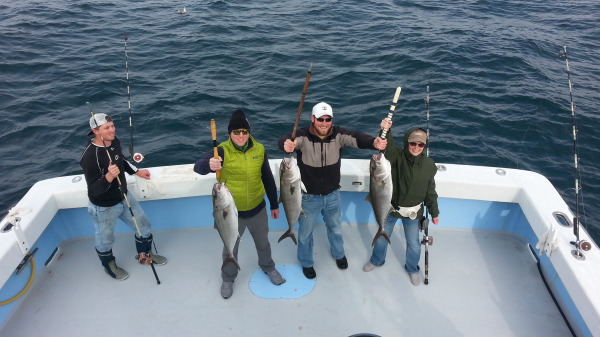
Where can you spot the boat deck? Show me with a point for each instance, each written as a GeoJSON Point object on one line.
{"type": "Point", "coordinates": [488, 273]}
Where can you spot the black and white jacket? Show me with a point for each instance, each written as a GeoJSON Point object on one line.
{"type": "Point", "coordinates": [94, 162]}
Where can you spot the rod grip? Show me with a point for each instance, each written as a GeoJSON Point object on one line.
{"type": "Point", "coordinates": [213, 131]}
{"type": "Point", "coordinates": [392, 108]}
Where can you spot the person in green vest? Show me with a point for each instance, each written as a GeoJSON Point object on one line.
{"type": "Point", "coordinates": [245, 169]}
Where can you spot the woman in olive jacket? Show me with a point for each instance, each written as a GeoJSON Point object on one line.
{"type": "Point", "coordinates": [413, 186]}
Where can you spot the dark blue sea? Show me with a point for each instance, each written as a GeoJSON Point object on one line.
{"type": "Point", "coordinates": [498, 89]}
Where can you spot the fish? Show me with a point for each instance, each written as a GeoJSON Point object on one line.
{"type": "Point", "coordinates": [290, 188]}
{"type": "Point", "coordinates": [226, 220]}
{"type": "Point", "coordinates": [380, 192]}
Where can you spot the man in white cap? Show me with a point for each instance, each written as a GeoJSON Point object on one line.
{"type": "Point", "coordinates": [106, 195]}
{"type": "Point", "coordinates": [319, 150]}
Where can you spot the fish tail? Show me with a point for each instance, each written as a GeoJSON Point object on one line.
{"type": "Point", "coordinates": [381, 233]}
{"type": "Point", "coordinates": [289, 234]}
{"type": "Point", "coordinates": [231, 259]}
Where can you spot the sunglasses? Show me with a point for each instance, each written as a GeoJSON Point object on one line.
{"type": "Point", "coordinates": [421, 145]}
{"type": "Point", "coordinates": [320, 119]}
{"type": "Point", "coordinates": [242, 131]}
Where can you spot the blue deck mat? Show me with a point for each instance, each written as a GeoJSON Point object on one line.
{"type": "Point", "coordinates": [296, 285]}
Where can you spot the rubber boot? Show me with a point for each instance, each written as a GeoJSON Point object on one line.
{"type": "Point", "coordinates": [110, 266]}
{"type": "Point", "coordinates": [144, 245]}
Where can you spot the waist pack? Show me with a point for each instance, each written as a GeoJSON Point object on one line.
{"type": "Point", "coordinates": [409, 212]}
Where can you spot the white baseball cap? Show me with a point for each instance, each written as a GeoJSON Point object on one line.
{"type": "Point", "coordinates": [322, 109]}
{"type": "Point", "coordinates": [98, 120]}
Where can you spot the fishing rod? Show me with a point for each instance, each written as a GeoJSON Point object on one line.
{"type": "Point", "coordinates": [143, 258]}
{"type": "Point", "coordinates": [391, 111]}
{"type": "Point", "coordinates": [306, 80]}
{"type": "Point", "coordinates": [213, 131]}
{"type": "Point", "coordinates": [427, 114]}
{"type": "Point", "coordinates": [137, 157]}
{"type": "Point", "coordinates": [427, 240]}
{"type": "Point", "coordinates": [579, 244]}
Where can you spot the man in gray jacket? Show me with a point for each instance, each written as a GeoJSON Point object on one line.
{"type": "Point", "coordinates": [319, 149]}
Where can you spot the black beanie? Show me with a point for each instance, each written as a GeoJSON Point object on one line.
{"type": "Point", "coordinates": [238, 121]}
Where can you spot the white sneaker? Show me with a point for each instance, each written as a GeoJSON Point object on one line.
{"type": "Point", "coordinates": [368, 267]}
{"type": "Point", "coordinates": [415, 279]}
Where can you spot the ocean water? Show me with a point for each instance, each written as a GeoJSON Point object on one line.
{"type": "Point", "coordinates": [497, 86]}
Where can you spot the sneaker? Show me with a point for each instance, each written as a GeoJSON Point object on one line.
{"type": "Point", "coordinates": [226, 289]}
{"type": "Point", "coordinates": [275, 277]}
{"type": "Point", "coordinates": [342, 263]}
{"type": "Point", "coordinates": [368, 267]}
{"type": "Point", "coordinates": [158, 260]}
{"type": "Point", "coordinates": [415, 279]}
{"type": "Point", "coordinates": [309, 272]}
{"type": "Point", "coordinates": [115, 272]}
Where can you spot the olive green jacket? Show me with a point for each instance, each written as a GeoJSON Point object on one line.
{"type": "Point", "coordinates": [413, 177]}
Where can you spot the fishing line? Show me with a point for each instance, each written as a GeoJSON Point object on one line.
{"type": "Point", "coordinates": [137, 157]}
{"type": "Point", "coordinates": [142, 256]}
{"type": "Point", "coordinates": [579, 244]}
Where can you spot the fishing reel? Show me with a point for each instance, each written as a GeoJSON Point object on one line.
{"type": "Point", "coordinates": [424, 223]}
{"type": "Point", "coordinates": [580, 247]}
{"type": "Point", "coordinates": [424, 226]}
{"type": "Point", "coordinates": [582, 244]}
{"type": "Point", "coordinates": [427, 240]}
{"type": "Point", "coordinates": [144, 258]}
{"type": "Point", "coordinates": [137, 157]}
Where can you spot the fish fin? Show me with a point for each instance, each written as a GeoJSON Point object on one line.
{"type": "Point", "coordinates": [302, 186]}
{"type": "Point", "coordinates": [368, 197]}
{"type": "Point", "coordinates": [289, 234]}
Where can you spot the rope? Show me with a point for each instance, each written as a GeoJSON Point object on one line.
{"type": "Point", "coordinates": [31, 277]}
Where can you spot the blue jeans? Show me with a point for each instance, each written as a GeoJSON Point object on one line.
{"type": "Point", "coordinates": [105, 218]}
{"type": "Point", "coordinates": [413, 245]}
{"type": "Point", "coordinates": [330, 207]}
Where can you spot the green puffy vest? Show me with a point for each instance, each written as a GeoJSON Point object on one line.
{"type": "Point", "coordinates": [241, 172]}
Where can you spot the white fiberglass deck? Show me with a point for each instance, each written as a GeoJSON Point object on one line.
{"type": "Point", "coordinates": [480, 281]}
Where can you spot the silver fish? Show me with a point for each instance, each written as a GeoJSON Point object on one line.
{"type": "Point", "coordinates": [226, 220]}
{"type": "Point", "coordinates": [290, 188]}
{"type": "Point", "coordinates": [380, 192]}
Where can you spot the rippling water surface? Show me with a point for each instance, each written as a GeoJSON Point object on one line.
{"type": "Point", "coordinates": [498, 89]}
